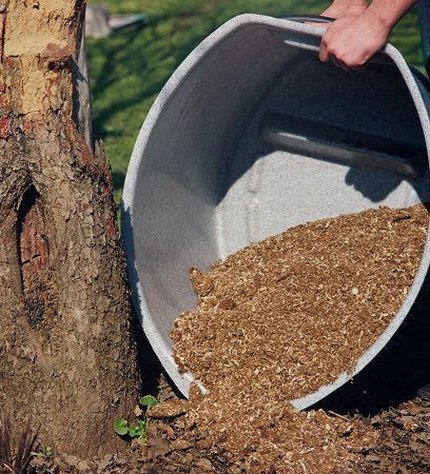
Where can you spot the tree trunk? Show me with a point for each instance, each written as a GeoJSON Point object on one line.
{"type": "Point", "coordinates": [67, 358]}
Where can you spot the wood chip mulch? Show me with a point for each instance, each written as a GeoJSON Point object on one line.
{"type": "Point", "coordinates": [402, 446]}
{"type": "Point", "coordinates": [404, 440]}
{"type": "Point", "coordinates": [282, 317]}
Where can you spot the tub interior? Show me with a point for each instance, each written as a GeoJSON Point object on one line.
{"type": "Point", "coordinates": [209, 183]}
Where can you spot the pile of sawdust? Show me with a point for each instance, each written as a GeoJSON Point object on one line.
{"type": "Point", "coordinates": [280, 318]}
{"type": "Point", "coordinates": [270, 436]}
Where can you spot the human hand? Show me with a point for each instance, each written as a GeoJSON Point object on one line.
{"type": "Point", "coordinates": [350, 42]}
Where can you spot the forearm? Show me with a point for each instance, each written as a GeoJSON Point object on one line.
{"type": "Point", "coordinates": [341, 8]}
{"type": "Point", "coordinates": [388, 12]}
{"type": "Point", "coordinates": [348, 4]}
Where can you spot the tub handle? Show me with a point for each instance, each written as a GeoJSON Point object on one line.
{"type": "Point", "coordinates": [301, 40]}
{"type": "Point", "coordinates": [309, 18]}
{"type": "Point", "coordinates": [312, 43]}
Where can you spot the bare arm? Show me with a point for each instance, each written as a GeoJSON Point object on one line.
{"type": "Point", "coordinates": [351, 41]}
{"type": "Point", "coordinates": [342, 8]}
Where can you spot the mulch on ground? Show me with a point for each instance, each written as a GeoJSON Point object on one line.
{"type": "Point", "coordinates": [403, 447]}
{"type": "Point", "coordinates": [375, 424]}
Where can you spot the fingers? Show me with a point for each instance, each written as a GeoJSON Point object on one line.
{"type": "Point", "coordinates": [324, 54]}
{"type": "Point", "coordinates": [338, 62]}
{"type": "Point", "coordinates": [326, 57]}
{"type": "Point", "coordinates": [341, 64]}
{"type": "Point", "coordinates": [351, 42]}
{"type": "Point", "coordinates": [330, 52]}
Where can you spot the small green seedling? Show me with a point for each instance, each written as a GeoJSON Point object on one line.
{"type": "Point", "coordinates": [148, 401]}
{"type": "Point", "coordinates": [44, 452]}
{"type": "Point", "coordinates": [138, 431]}
{"type": "Point", "coordinates": [121, 427]}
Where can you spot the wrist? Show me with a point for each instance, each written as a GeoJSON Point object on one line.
{"type": "Point", "coordinates": [385, 14]}
{"type": "Point", "coordinates": [350, 7]}
{"type": "Point", "coordinates": [381, 21]}
{"type": "Point", "coordinates": [343, 8]}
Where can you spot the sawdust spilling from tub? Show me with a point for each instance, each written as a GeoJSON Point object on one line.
{"type": "Point", "coordinates": [280, 318]}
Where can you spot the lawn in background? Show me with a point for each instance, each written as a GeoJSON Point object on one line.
{"type": "Point", "coordinates": [127, 70]}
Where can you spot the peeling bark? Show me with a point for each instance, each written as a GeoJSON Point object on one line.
{"type": "Point", "coordinates": [67, 358]}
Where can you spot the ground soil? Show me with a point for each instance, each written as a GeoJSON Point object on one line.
{"type": "Point", "coordinates": [378, 423]}
{"type": "Point", "coordinates": [403, 447]}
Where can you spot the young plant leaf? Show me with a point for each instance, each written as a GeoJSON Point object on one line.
{"type": "Point", "coordinates": [148, 401]}
{"type": "Point", "coordinates": [120, 426]}
{"type": "Point", "coordinates": [143, 425]}
{"type": "Point", "coordinates": [134, 431]}
{"type": "Point", "coordinates": [138, 430]}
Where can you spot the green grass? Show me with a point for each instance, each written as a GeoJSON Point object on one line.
{"type": "Point", "coordinates": [128, 70]}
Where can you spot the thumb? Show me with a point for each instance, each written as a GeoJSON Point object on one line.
{"type": "Point", "coordinates": [323, 54]}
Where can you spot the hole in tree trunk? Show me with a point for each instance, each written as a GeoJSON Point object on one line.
{"type": "Point", "coordinates": [33, 251]}
{"type": "Point", "coordinates": [33, 242]}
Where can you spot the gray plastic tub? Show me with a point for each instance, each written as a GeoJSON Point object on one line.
{"type": "Point", "coordinates": [252, 135]}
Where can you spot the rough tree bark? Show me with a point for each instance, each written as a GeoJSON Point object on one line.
{"type": "Point", "coordinates": [67, 358]}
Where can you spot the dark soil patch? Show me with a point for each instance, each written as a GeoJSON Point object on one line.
{"type": "Point", "coordinates": [404, 440]}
